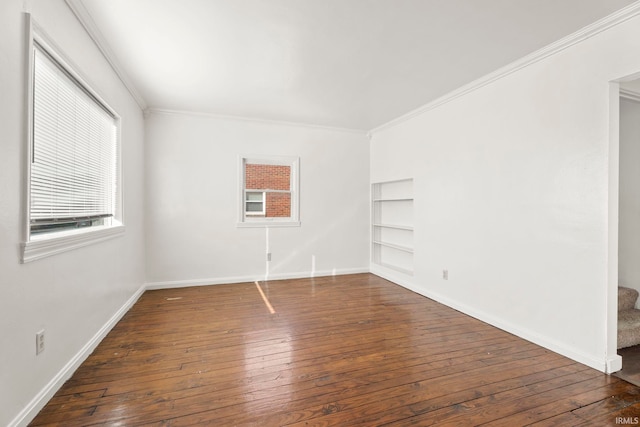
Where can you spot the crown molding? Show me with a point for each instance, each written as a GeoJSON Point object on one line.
{"type": "Point", "coordinates": [171, 112]}
{"type": "Point", "coordinates": [589, 31]}
{"type": "Point", "coordinates": [85, 19]}
{"type": "Point", "coordinates": [630, 95]}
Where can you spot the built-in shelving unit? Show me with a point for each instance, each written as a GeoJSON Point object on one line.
{"type": "Point", "coordinates": [392, 225]}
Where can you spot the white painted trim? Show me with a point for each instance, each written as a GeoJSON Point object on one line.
{"type": "Point", "coordinates": [85, 19]}
{"type": "Point", "coordinates": [609, 296]}
{"type": "Point", "coordinates": [613, 364]}
{"type": "Point", "coordinates": [40, 400]}
{"type": "Point", "coordinates": [294, 219]}
{"type": "Point", "coordinates": [36, 404]}
{"type": "Point", "coordinates": [257, 120]}
{"type": "Point", "coordinates": [560, 348]}
{"type": "Point", "coordinates": [170, 284]}
{"type": "Point", "coordinates": [591, 30]}
{"type": "Point", "coordinates": [28, 122]}
{"type": "Point", "coordinates": [610, 365]}
{"type": "Point", "coordinates": [37, 249]}
{"type": "Point", "coordinates": [34, 248]}
{"type": "Point", "coordinates": [392, 276]}
{"type": "Point", "coordinates": [265, 223]}
{"type": "Point", "coordinates": [630, 95]}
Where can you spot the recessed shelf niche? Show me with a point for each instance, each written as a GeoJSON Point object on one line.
{"type": "Point", "coordinates": [392, 225]}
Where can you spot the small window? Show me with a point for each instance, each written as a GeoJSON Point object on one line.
{"type": "Point", "coordinates": [73, 183]}
{"type": "Point", "coordinates": [254, 203]}
{"type": "Point", "coordinates": [269, 191]}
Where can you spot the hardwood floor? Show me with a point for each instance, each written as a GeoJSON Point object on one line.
{"type": "Point", "coordinates": [630, 364]}
{"type": "Point", "coordinates": [351, 350]}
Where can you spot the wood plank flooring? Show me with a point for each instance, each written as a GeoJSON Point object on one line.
{"type": "Point", "coordinates": [631, 367]}
{"type": "Point", "coordinates": [351, 350]}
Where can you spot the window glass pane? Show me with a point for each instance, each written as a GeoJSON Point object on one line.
{"type": "Point", "coordinates": [74, 162]}
{"type": "Point", "coordinates": [278, 205]}
{"type": "Point", "coordinates": [269, 191]}
{"type": "Point", "coordinates": [275, 181]}
{"type": "Point", "coordinates": [255, 197]}
{"type": "Point", "coordinates": [267, 177]}
{"type": "Point", "coordinates": [254, 207]}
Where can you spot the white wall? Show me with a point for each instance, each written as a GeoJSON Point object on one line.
{"type": "Point", "coordinates": [629, 242]}
{"type": "Point", "coordinates": [511, 187]}
{"type": "Point", "coordinates": [192, 200]}
{"type": "Point", "coordinates": [72, 295]}
{"type": "Point", "coordinates": [511, 195]}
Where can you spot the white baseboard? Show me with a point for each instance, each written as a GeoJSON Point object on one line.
{"type": "Point", "coordinates": [614, 364]}
{"type": "Point", "coordinates": [250, 279]}
{"type": "Point", "coordinates": [609, 365]}
{"type": "Point", "coordinates": [526, 334]}
{"type": "Point", "coordinates": [169, 284]}
{"type": "Point", "coordinates": [392, 276]}
{"type": "Point", "coordinates": [40, 400]}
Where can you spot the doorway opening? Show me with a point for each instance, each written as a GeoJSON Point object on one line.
{"type": "Point", "coordinates": [628, 307]}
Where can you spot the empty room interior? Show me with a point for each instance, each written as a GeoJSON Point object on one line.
{"type": "Point", "coordinates": [310, 212]}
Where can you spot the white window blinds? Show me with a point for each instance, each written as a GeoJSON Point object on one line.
{"type": "Point", "coordinates": [74, 156]}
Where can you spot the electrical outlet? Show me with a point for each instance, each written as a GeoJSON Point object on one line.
{"type": "Point", "coordinates": [268, 256]}
{"type": "Point", "coordinates": [445, 274]}
{"type": "Point", "coordinates": [39, 342]}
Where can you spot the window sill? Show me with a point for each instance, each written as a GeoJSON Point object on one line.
{"type": "Point", "coordinates": [46, 245]}
{"type": "Point", "coordinates": [263, 224]}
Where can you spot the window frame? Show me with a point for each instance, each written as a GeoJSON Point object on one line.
{"type": "Point", "coordinates": [40, 245]}
{"type": "Point", "coordinates": [248, 220]}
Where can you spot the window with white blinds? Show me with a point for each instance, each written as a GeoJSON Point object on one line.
{"type": "Point", "coordinates": [74, 153]}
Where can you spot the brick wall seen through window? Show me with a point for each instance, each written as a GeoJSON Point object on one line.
{"type": "Point", "coordinates": [275, 181]}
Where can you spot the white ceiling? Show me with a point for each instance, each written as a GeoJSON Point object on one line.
{"type": "Point", "coordinates": [342, 63]}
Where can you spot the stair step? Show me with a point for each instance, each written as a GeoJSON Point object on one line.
{"type": "Point", "coordinates": [627, 298]}
{"type": "Point", "coordinates": [628, 328]}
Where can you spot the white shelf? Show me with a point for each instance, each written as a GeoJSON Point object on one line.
{"type": "Point", "coordinates": [394, 246]}
{"type": "Point", "coordinates": [395, 226]}
{"type": "Point", "coordinates": [404, 199]}
{"type": "Point", "coordinates": [392, 225]}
